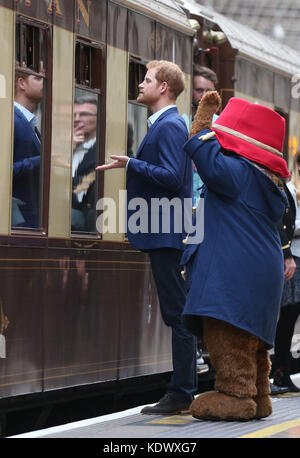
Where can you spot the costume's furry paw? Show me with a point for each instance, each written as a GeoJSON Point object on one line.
{"type": "Point", "coordinates": [208, 106]}
{"type": "Point", "coordinates": [219, 406]}
{"type": "Point", "coordinates": [264, 406]}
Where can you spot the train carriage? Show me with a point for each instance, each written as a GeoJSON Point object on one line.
{"type": "Point", "coordinates": [78, 304]}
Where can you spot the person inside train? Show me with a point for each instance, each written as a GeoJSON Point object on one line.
{"type": "Point", "coordinates": [290, 302]}
{"type": "Point", "coordinates": [27, 146]}
{"type": "Point", "coordinates": [162, 170]}
{"type": "Point", "coordinates": [204, 80]}
{"type": "Point", "coordinates": [83, 164]}
{"type": "Point", "coordinates": [235, 275]}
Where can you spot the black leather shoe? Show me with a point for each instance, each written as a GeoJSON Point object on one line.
{"type": "Point", "coordinates": [278, 389]}
{"type": "Point", "coordinates": [286, 382]}
{"type": "Point", "coordinates": [291, 387]}
{"type": "Point", "coordinates": [167, 406]}
{"type": "Point", "coordinates": [281, 378]}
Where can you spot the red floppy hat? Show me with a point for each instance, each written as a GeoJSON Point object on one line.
{"type": "Point", "coordinates": [254, 132]}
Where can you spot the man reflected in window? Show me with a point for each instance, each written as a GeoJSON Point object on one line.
{"type": "Point", "coordinates": [83, 165]}
{"type": "Point", "coordinates": [27, 146]}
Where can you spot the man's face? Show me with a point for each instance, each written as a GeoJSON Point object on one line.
{"type": "Point", "coordinates": [33, 87]}
{"type": "Point", "coordinates": [149, 89]}
{"type": "Point", "coordinates": [85, 119]}
{"type": "Point", "coordinates": [200, 87]}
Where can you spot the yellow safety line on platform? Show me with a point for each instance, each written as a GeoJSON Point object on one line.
{"type": "Point", "coordinates": [272, 430]}
{"type": "Point", "coordinates": [173, 420]}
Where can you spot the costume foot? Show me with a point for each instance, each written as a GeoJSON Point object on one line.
{"type": "Point", "coordinates": [219, 406]}
{"type": "Point", "coordinates": [167, 406]}
{"type": "Point", "coordinates": [263, 406]}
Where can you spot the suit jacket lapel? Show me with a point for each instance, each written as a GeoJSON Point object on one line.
{"type": "Point", "coordinates": [148, 134]}
{"type": "Point", "coordinates": [152, 129]}
{"type": "Point", "coordinates": [27, 126]}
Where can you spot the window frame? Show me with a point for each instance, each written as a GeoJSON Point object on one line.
{"type": "Point", "coordinates": [101, 120]}
{"type": "Point", "coordinates": [133, 101]}
{"type": "Point", "coordinates": [46, 119]}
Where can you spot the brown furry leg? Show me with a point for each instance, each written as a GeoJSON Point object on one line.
{"type": "Point", "coordinates": [263, 400]}
{"type": "Point", "coordinates": [233, 355]}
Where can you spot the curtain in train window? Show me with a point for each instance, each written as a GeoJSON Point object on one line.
{"type": "Point", "coordinates": [86, 138]}
{"type": "Point", "coordinates": [29, 126]}
{"type": "Point", "coordinates": [137, 113]}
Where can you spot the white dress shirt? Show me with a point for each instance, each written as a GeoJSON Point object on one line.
{"type": "Point", "coordinates": [78, 156]}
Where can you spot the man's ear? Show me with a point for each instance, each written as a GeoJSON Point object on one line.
{"type": "Point", "coordinates": [20, 82]}
{"type": "Point", "coordinates": [164, 87]}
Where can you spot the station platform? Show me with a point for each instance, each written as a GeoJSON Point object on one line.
{"type": "Point", "coordinates": [283, 423]}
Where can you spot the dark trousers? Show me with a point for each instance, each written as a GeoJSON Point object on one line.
{"type": "Point", "coordinates": [284, 334]}
{"type": "Point", "coordinates": [172, 296]}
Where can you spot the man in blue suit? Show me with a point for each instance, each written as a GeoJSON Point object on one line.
{"type": "Point", "coordinates": [161, 170]}
{"type": "Point", "coordinates": [26, 167]}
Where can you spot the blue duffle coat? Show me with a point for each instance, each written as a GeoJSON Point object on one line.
{"type": "Point", "coordinates": [236, 273]}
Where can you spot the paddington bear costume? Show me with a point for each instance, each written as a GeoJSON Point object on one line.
{"type": "Point", "coordinates": [235, 276]}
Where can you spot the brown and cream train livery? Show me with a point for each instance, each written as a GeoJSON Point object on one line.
{"type": "Point", "coordinates": [78, 304]}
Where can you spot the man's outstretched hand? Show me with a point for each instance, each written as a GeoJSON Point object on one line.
{"type": "Point", "coordinates": [119, 162]}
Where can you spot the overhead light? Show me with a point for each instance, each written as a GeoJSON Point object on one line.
{"type": "Point", "coordinates": [194, 24]}
{"type": "Point", "coordinates": [216, 38]}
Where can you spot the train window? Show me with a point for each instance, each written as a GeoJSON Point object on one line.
{"type": "Point", "coordinates": [86, 136]}
{"type": "Point", "coordinates": [30, 47]}
{"type": "Point", "coordinates": [285, 149]}
{"type": "Point", "coordinates": [29, 125]}
{"type": "Point", "coordinates": [137, 113]}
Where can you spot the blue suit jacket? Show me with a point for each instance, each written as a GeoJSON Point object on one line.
{"type": "Point", "coordinates": [161, 170]}
{"type": "Point", "coordinates": [26, 170]}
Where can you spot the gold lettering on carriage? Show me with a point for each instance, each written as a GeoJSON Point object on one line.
{"type": "Point", "coordinates": [83, 8]}
{"type": "Point", "coordinates": [26, 2]}
{"type": "Point", "coordinates": [55, 4]}
{"type": "Point", "coordinates": [85, 11]}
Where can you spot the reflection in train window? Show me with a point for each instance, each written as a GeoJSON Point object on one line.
{"type": "Point", "coordinates": [137, 113]}
{"type": "Point", "coordinates": [29, 122]}
{"type": "Point", "coordinates": [86, 134]}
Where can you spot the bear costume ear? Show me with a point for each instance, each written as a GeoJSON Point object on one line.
{"type": "Point", "coordinates": [208, 106]}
